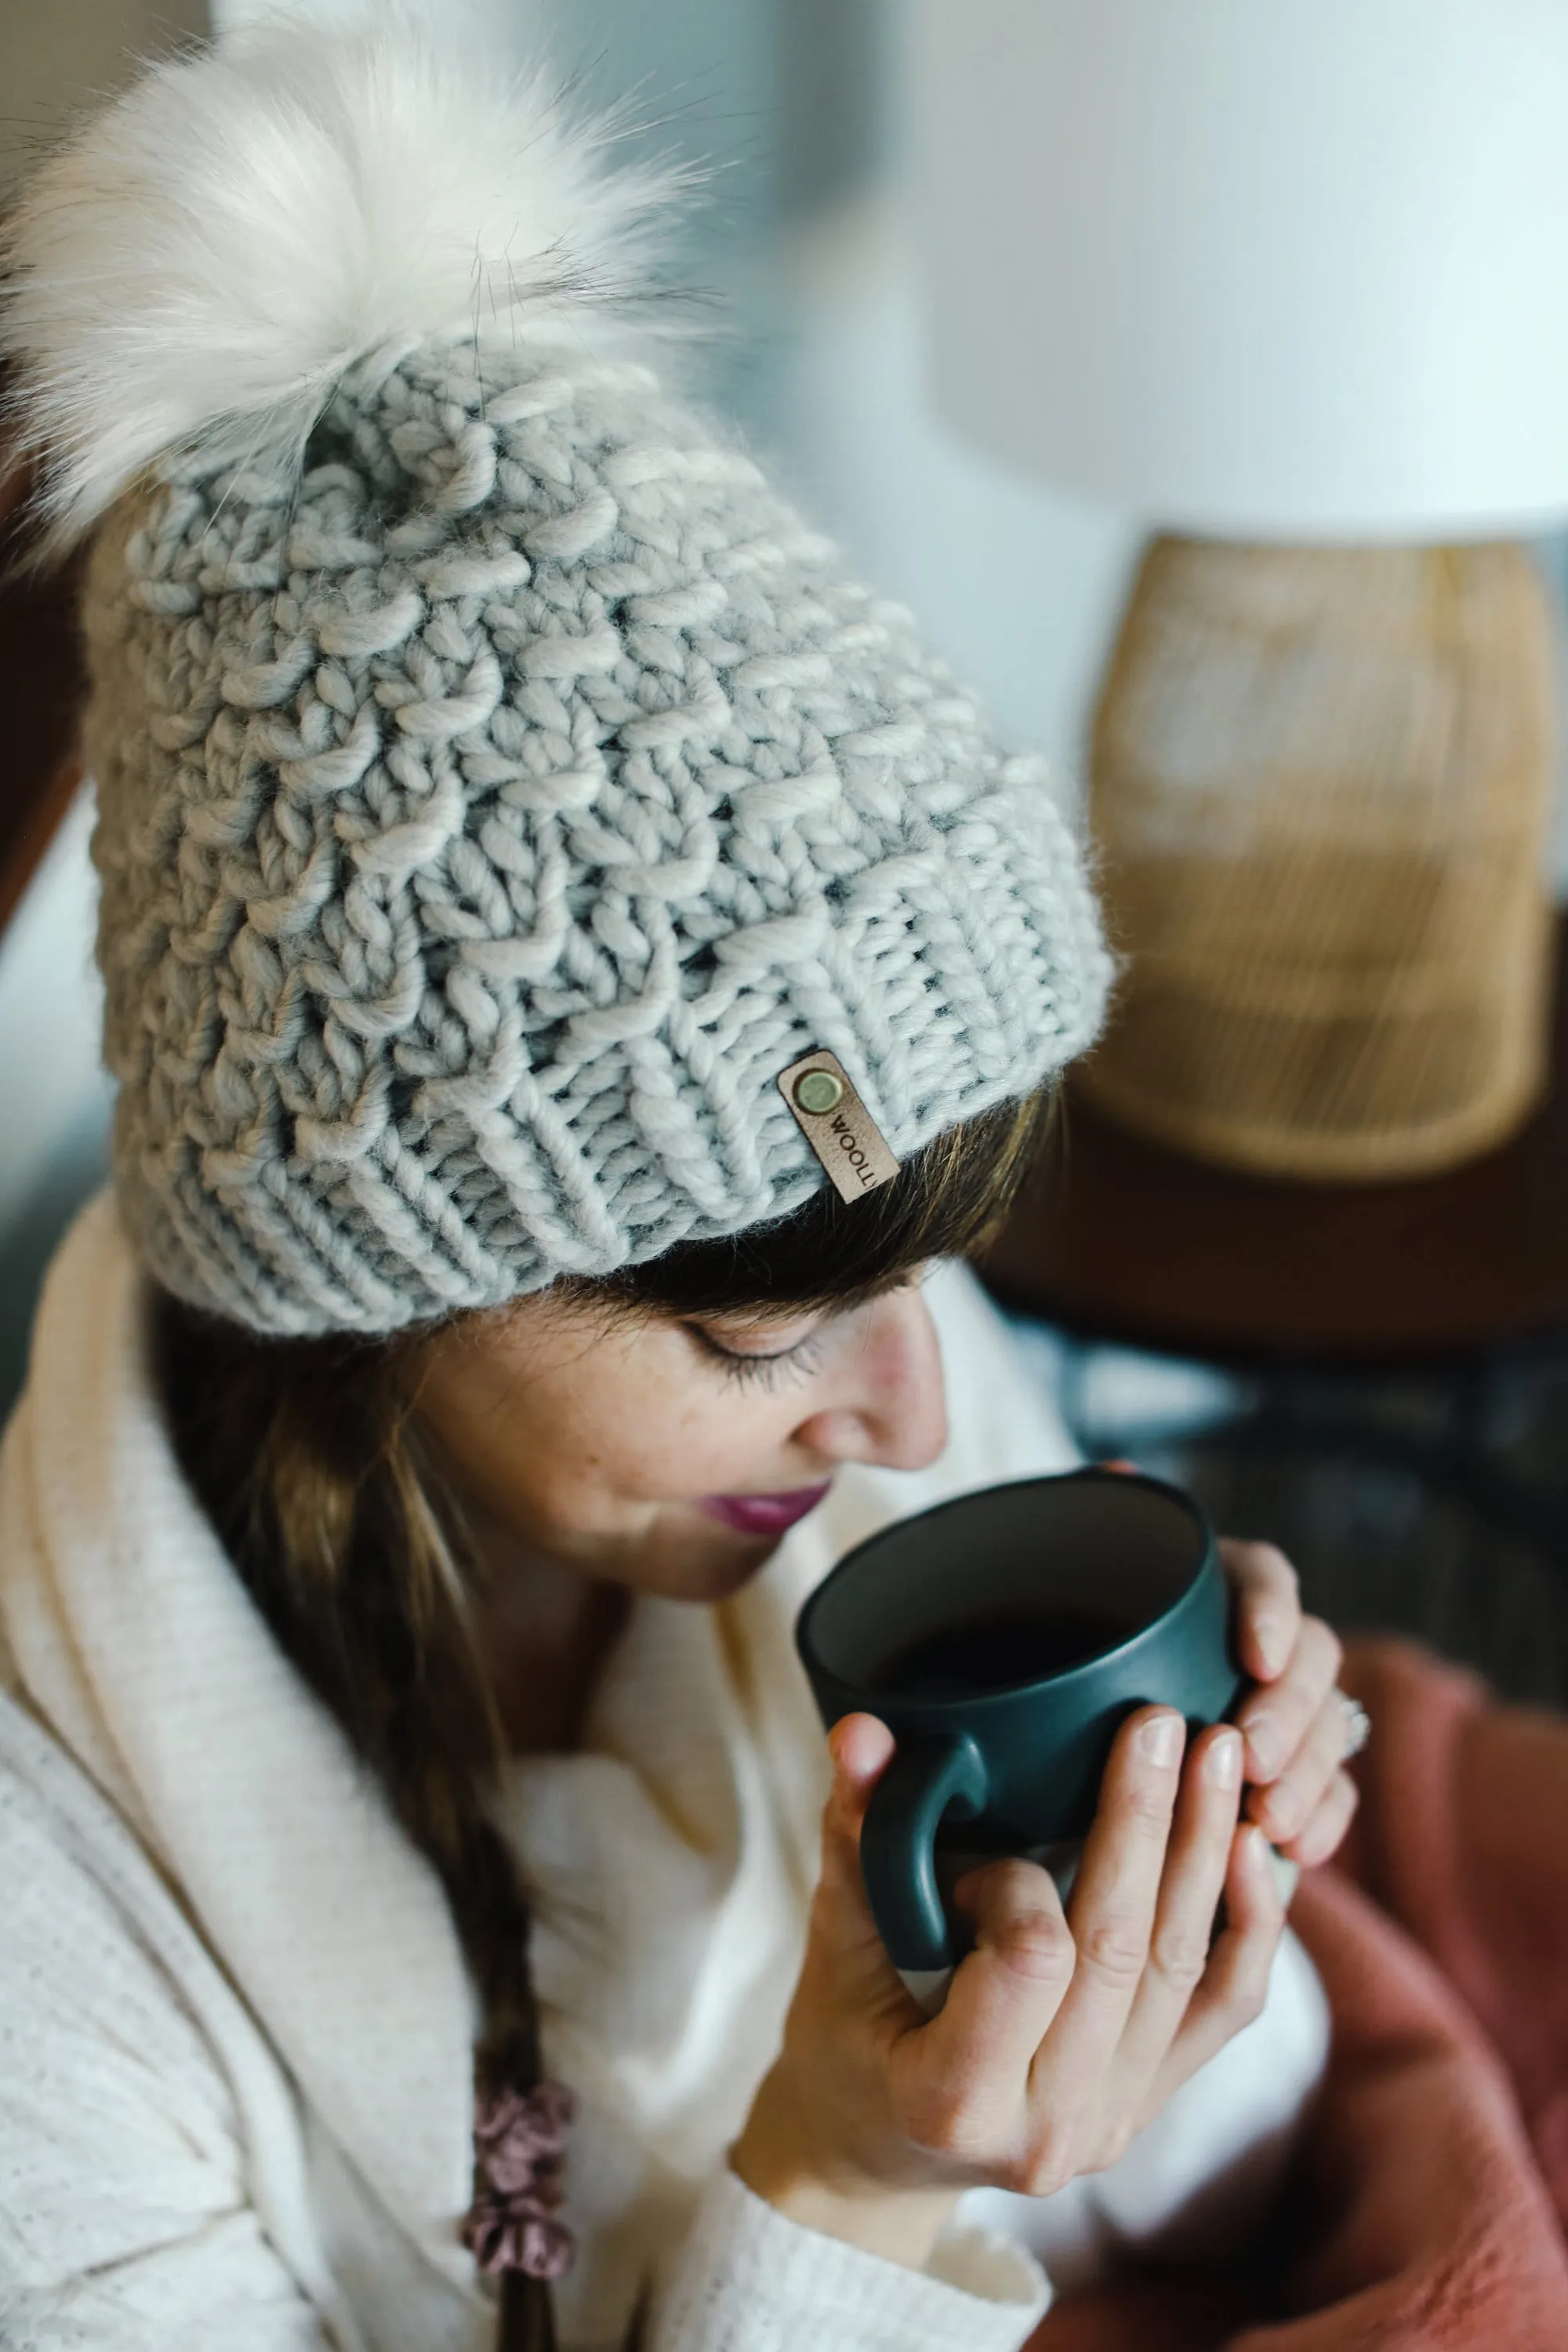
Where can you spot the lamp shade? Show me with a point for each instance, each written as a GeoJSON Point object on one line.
{"type": "Point", "coordinates": [1265, 269]}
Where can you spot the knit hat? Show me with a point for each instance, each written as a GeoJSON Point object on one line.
{"type": "Point", "coordinates": [498, 784]}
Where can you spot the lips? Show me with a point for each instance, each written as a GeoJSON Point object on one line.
{"type": "Point", "coordinates": [764, 1515]}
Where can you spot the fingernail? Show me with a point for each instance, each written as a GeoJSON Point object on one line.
{"type": "Point", "coordinates": [1160, 1739]}
{"type": "Point", "coordinates": [1268, 1747]}
{"type": "Point", "coordinates": [1273, 1642]}
{"type": "Point", "coordinates": [1223, 1762]}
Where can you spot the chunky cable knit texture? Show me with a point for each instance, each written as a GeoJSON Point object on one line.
{"type": "Point", "coordinates": [496, 791]}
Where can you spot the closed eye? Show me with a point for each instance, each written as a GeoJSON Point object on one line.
{"type": "Point", "coordinates": [744, 1364]}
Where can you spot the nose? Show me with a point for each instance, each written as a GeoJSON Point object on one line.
{"type": "Point", "coordinates": [889, 1403]}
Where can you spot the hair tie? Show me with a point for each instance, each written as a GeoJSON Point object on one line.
{"type": "Point", "coordinates": [520, 2145]}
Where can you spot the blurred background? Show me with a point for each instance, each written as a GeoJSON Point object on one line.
{"type": "Point", "coordinates": [945, 248]}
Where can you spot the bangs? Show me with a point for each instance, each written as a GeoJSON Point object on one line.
{"type": "Point", "coordinates": [944, 1202]}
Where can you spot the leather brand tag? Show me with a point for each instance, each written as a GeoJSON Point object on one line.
{"type": "Point", "coordinates": [836, 1124]}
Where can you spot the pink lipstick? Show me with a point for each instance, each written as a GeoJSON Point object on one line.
{"type": "Point", "coordinates": [766, 1515]}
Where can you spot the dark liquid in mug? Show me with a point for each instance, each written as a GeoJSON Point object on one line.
{"type": "Point", "coordinates": [991, 1652]}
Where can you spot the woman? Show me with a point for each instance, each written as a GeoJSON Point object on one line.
{"type": "Point", "coordinates": [499, 788]}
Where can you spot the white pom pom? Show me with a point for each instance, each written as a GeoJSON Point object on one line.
{"type": "Point", "coordinates": [199, 263]}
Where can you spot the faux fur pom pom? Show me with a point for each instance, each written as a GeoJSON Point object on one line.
{"type": "Point", "coordinates": [197, 266]}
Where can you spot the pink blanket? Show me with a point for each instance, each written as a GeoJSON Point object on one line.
{"type": "Point", "coordinates": [1429, 2210]}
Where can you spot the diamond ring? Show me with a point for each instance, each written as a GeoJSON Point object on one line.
{"type": "Point", "coordinates": [1358, 1725]}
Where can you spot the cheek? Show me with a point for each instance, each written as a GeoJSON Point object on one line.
{"type": "Point", "coordinates": [601, 1446]}
{"type": "Point", "coordinates": [670, 1440]}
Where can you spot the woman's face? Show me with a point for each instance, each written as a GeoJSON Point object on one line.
{"type": "Point", "coordinates": [670, 1456]}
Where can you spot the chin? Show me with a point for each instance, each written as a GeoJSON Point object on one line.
{"type": "Point", "coordinates": [709, 1565]}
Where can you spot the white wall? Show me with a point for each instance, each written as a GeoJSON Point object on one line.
{"type": "Point", "coordinates": [1020, 589]}
{"type": "Point", "coordinates": [57, 56]}
{"type": "Point", "coordinates": [54, 1098]}
{"type": "Point", "coordinates": [50, 1083]}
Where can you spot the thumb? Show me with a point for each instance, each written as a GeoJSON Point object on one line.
{"type": "Point", "coordinates": [845, 1944]}
{"type": "Point", "coordinates": [861, 1749]}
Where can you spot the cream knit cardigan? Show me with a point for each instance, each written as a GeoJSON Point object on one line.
{"type": "Point", "coordinates": [236, 2031]}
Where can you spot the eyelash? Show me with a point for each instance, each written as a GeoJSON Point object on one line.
{"type": "Point", "coordinates": [768, 1370]}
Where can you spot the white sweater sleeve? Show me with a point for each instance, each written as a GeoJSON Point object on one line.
{"type": "Point", "coordinates": [747, 2279]}
{"type": "Point", "coordinates": [127, 2223]}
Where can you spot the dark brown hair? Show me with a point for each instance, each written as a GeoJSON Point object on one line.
{"type": "Point", "coordinates": [306, 1457]}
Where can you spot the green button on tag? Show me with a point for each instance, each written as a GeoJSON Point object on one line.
{"type": "Point", "coordinates": [835, 1123]}
{"type": "Point", "coordinates": [819, 1091]}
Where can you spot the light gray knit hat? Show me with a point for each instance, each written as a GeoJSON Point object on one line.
{"type": "Point", "coordinates": [498, 784]}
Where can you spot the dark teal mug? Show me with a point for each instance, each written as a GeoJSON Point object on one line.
{"type": "Point", "coordinates": [1003, 1638]}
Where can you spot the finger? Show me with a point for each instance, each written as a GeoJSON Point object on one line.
{"type": "Point", "coordinates": [1326, 1827]}
{"type": "Point", "coordinates": [1286, 1804]}
{"type": "Point", "coordinates": [845, 1954]}
{"type": "Point", "coordinates": [1267, 1606]}
{"type": "Point", "coordinates": [1113, 1903]}
{"type": "Point", "coordinates": [1197, 1861]}
{"type": "Point", "coordinates": [1005, 1992]}
{"type": "Point", "coordinates": [861, 1749]}
{"type": "Point", "coordinates": [1236, 1982]}
{"type": "Point", "coordinates": [1278, 1721]}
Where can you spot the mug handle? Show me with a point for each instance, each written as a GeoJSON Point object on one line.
{"type": "Point", "coordinates": [926, 1778]}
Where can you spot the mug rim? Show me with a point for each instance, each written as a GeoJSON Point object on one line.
{"type": "Point", "coordinates": [1087, 1472]}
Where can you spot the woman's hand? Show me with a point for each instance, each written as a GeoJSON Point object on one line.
{"type": "Point", "coordinates": [1062, 2033]}
{"type": "Point", "coordinates": [1300, 1795]}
